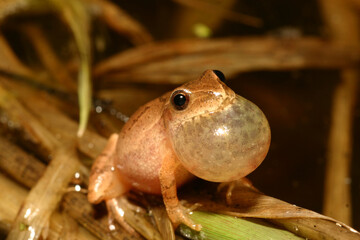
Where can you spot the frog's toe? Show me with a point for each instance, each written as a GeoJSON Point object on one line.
{"type": "Point", "coordinates": [230, 186]}
{"type": "Point", "coordinates": [180, 214]}
{"type": "Point", "coordinates": [116, 212]}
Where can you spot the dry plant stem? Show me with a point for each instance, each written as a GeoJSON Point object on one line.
{"type": "Point", "coordinates": [305, 50]}
{"type": "Point", "coordinates": [12, 196]}
{"type": "Point", "coordinates": [316, 229]}
{"type": "Point", "coordinates": [211, 8]}
{"type": "Point", "coordinates": [21, 166]}
{"type": "Point", "coordinates": [181, 60]}
{"type": "Point", "coordinates": [121, 22]}
{"type": "Point", "coordinates": [9, 61]}
{"type": "Point", "coordinates": [49, 58]}
{"type": "Point", "coordinates": [10, 64]}
{"type": "Point", "coordinates": [45, 196]}
{"type": "Point", "coordinates": [28, 173]}
{"type": "Point", "coordinates": [337, 195]}
{"type": "Point", "coordinates": [62, 126]}
{"type": "Point", "coordinates": [78, 207]}
{"type": "Point", "coordinates": [42, 105]}
{"type": "Point", "coordinates": [163, 222]}
{"type": "Point", "coordinates": [343, 23]}
{"type": "Point", "coordinates": [132, 219]}
{"type": "Point", "coordinates": [9, 7]}
{"type": "Point", "coordinates": [75, 204]}
{"type": "Point", "coordinates": [249, 202]}
{"type": "Point", "coordinates": [64, 227]}
{"type": "Point", "coordinates": [31, 127]}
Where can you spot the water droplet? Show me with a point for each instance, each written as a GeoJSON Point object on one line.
{"type": "Point", "coordinates": [338, 224]}
{"type": "Point", "coordinates": [296, 228]}
{"type": "Point", "coordinates": [27, 213]}
{"type": "Point", "coordinates": [120, 211]}
{"type": "Point", "coordinates": [122, 117]}
{"type": "Point", "coordinates": [77, 188]}
{"type": "Point", "coordinates": [32, 233]}
{"type": "Point", "coordinates": [77, 175]}
{"type": "Point", "coordinates": [98, 109]}
{"type": "Point", "coordinates": [112, 227]}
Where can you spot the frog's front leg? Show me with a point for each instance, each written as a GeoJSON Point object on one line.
{"type": "Point", "coordinates": [177, 213]}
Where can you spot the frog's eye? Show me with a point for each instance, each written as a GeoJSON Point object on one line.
{"type": "Point", "coordinates": [180, 99]}
{"type": "Point", "coordinates": [220, 75]}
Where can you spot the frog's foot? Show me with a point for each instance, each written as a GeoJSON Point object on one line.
{"type": "Point", "coordinates": [115, 211]}
{"type": "Point", "coordinates": [193, 207]}
{"type": "Point", "coordinates": [180, 214]}
{"type": "Point", "coordinates": [231, 186]}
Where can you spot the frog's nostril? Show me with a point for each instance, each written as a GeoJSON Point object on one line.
{"type": "Point", "coordinates": [220, 75]}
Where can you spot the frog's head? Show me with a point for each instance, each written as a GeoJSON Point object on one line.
{"type": "Point", "coordinates": [217, 135]}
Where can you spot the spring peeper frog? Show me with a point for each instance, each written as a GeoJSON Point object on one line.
{"type": "Point", "coordinates": [201, 128]}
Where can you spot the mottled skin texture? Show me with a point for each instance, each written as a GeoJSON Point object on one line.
{"type": "Point", "coordinates": [219, 137]}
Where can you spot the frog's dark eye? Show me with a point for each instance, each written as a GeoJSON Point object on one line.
{"type": "Point", "coordinates": [220, 75]}
{"type": "Point", "coordinates": [180, 99]}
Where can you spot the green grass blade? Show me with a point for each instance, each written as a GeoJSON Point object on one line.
{"type": "Point", "coordinates": [223, 227]}
{"type": "Point", "coordinates": [77, 17]}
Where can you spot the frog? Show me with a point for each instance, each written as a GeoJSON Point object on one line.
{"type": "Point", "coordinates": [201, 129]}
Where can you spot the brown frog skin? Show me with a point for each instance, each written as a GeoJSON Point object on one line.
{"type": "Point", "coordinates": [201, 129]}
